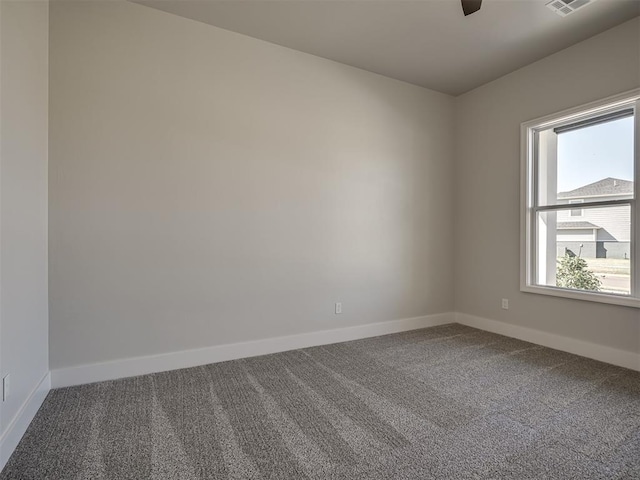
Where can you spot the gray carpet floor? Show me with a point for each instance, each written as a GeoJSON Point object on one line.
{"type": "Point", "coordinates": [447, 402]}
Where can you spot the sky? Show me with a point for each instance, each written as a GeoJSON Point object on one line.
{"type": "Point", "coordinates": [593, 153]}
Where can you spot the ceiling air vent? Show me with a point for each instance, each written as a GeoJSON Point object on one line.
{"type": "Point", "coordinates": [565, 7]}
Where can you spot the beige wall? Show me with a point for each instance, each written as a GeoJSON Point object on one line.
{"type": "Point", "coordinates": [209, 188]}
{"type": "Point", "coordinates": [487, 179]}
{"type": "Point", "coordinates": [23, 200]}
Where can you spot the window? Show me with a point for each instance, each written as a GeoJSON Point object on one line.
{"type": "Point", "coordinates": [589, 156]}
{"type": "Point", "coordinates": [576, 212]}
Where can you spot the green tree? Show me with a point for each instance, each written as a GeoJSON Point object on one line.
{"type": "Point", "coordinates": [572, 273]}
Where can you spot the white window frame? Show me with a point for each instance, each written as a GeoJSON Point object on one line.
{"type": "Point", "coordinates": [529, 210]}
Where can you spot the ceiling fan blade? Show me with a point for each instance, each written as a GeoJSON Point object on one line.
{"type": "Point", "coordinates": [471, 6]}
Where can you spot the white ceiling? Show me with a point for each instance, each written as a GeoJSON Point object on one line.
{"type": "Point", "coordinates": [425, 42]}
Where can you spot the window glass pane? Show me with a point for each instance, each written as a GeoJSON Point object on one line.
{"type": "Point", "coordinates": [576, 212]}
{"type": "Point", "coordinates": [587, 164]}
{"type": "Point", "coordinates": [592, 252]}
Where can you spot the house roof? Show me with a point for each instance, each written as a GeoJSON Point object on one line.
{"type": "Point", "coordinates": [605, 187]}
{"type": "Point", "coordinates": [576, 225]}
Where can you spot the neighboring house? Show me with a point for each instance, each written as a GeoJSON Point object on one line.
{"type": "Point", "coordinates": [596, 232]}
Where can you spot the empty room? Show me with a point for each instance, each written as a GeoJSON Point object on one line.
{"type": "Point", "coordinates": [319, 239]}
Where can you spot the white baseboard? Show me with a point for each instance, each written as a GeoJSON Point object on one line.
{"type": "Point", "coordinates": [130, 367]}
{"type": "Point", "coordinates": [18, 425]}
{"type": "Point", "coordinates": [610, 355]}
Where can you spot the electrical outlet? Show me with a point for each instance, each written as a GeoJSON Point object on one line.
{"type": "Point", "coordinates": [338, 308]}
{"type": "Point", "coordinates": [505, 304]}
{"type": "Point", "coordinates": [5, 388]}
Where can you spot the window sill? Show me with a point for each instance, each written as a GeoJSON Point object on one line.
{"type": "Point", "coordinates": [613, 299]}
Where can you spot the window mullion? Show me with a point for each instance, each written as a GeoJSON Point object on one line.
{"type": "Point", "coordinates": [584, 205]}
{"type": "Point", "coordinates": [635, 211]}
